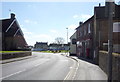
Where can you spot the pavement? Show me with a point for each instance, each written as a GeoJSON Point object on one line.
{"type": "Point", "coordinates": [89, 71]}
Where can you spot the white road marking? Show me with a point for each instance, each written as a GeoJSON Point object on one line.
{"type": "Point", "coordinates": [13, 74]}
{"type": "Point", "coordinates": [70, 72]}
{"type": "Point", "coordinates": [64, 60]}
{"type": "Point", "coordinates": [37, 64]}
{"type": "Point", "coordinates": [20, 71]}
{"type": "Point", "coordinates": [75, 71]}
{"type": "Point", "coordinates": [72, 68]}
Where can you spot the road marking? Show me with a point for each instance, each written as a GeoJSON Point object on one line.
{"type": "Point", "coordinates": [13, 74]}
{"type": "Point", "coordinates": [76, 71]}
{"type": "Point", "coordinates": [64, 60]}
{"type": "Point", "coordinates": [37, 64]}
{"type": "Point", "coordinates": [68, 75]}
{"type": "Point", "coordinates": [70, 72]}
{"type": "Point", "coordinates": [71, 67]}
{"type": "Point", "coordinates": [71, 75]}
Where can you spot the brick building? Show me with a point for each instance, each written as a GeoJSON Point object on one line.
{"type": "Point", "coordinates": [85, 38]}
{"type": "Point", "coordinates": [101, 26]}
{"type": "Point", "coordinates": [12, 35]}
{"type": "Point", "coordinates": [92, 35]}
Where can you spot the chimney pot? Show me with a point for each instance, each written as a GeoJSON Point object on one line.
{"type": "Point", "coordinates": [12, 16]}
{"type": "Point", "coordinates": [99, 4]}
{"type": "Point", "coordinates": [80, 23]}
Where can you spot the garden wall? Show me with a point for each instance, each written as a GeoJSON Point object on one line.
{"type": "Point", "coordinates": [15, 54]}
{"type": "Point", "coordinates": [103, 63]}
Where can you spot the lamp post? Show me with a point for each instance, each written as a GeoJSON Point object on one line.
{"type": "Point", "coordinates": [109, 14]}
{"type": "Point", "coordinates": [67, 35]}
{"type": "Point", "coordinates": [67, 39]}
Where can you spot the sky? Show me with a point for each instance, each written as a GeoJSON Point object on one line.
{"type": "Point", "coordinates": [45, 21]}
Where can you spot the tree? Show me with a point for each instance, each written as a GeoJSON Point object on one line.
{"type": "Point", "coordinates": [59, 40]}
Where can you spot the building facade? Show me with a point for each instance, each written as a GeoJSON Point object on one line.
{"type": "Point", "coordinates": [85, 38]}
{"type": "Point", "coordinates": [92, 35]}
{"type": "Point", "coordinates": [12, 35]}
{"type": "Point", "coordinates": [41, 46]}
{"type": "Point", "coordinates": [73, 44]}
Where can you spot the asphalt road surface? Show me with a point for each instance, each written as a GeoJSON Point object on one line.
{"type": "Point", "coordinates": [50, 66]}
{"type": "Point", "coordinates": [42, 66]}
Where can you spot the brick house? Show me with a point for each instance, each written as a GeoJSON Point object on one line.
{"type": "Point", "coordinates": [12, 35]}
{"type": "Point", "coordinates": [85, 38]}
{"type": "Point", "coordinates": [92, 35]}
{"type": "Point", "coordinates": [101, 27]}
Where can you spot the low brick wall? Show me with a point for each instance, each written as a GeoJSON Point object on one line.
{"type": "Point", "coordinates": [103, 63]}
{"type": "Point", "coordinates": [15, 55]}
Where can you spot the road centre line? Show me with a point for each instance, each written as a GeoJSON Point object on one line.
{"type": "Point", "coordinates": [70, 72]}
{"type": "Point", "coordinates": [76, 71]}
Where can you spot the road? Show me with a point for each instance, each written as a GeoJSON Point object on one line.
{"type": "Point", "coordinates": [42, 66]}
{"type": "Point", "coordinates": [50, 66]}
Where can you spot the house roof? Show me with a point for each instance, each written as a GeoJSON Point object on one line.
{"type": "Point", "coordinates": [41, 43]}
{"type": "Point", "coordinates": [59, 45]}
{"type": "Point", "coordinates": [10, 27]}
{"type": "Point", "coordinates": [85, 22]}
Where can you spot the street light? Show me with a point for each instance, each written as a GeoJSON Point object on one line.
{"type": "Point", "coordinates": [67, 39]}
{"type": "Point", "coordinates": [67, 35]}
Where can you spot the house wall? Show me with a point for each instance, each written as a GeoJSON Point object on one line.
{"type": "Point", "coordinates": [72, 46]}
{"type": "Point", "coordinates": [103, 36]}
{"type": "Point", "coordinates": [85, 39]}
{"type": "Point", "coordinates": [12, 35]}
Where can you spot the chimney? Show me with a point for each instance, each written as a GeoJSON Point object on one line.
{"type": "Point", "coordinates": [80, 23]}
{"type": "Point", "coordinates": [107, 4]}
{"type": "Point", "coordinates": [99, 4]}
{"type": "Point", "coordinates": [12, 16]}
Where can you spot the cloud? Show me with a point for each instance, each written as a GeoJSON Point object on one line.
{"type": "Point", "coordinates": [85, 16]}
{"type": "Point", "coordinates": [23, 29]}
{"type": "Point", "coordinates": [42, 36]}
{"type": "Point", "coordinates": [53, 31]}
{"type": "Point", "coordinates": [27, 21]}
{"type": "Point", "coordinates": [82, 17]}
{"type": "Point", "coordinates": [73, 26]}
{"type": "Point", "coordinates": [30, 21]}
{"type": "Point", "coordinates": [75, 16]}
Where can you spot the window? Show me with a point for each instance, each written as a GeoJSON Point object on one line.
{"type": "Point", "coordinates": [73, 41]}
{"type": "Point", "coordinates": [89, 31]}
{"type": "Point", "coordinates": [116, 27]}
{"type": "Point", "coordinates": [84, 30]}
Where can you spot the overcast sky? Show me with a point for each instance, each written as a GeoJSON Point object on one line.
{"type": "Point", "coordinates": [44, 21]}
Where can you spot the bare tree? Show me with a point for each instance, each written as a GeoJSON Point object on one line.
{"type": "Point", "coordinates": [59, 40]}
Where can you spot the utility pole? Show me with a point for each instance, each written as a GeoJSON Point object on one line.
{"type": "Point", "coordinates": [67, 35]}
{"type": "Point", "coordinates": [109, 10]}
{"type": "Point", "coordinates": [67, 40]}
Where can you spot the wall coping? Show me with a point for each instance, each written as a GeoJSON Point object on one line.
{"type": "Point", "coordinates": [106, 52]}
